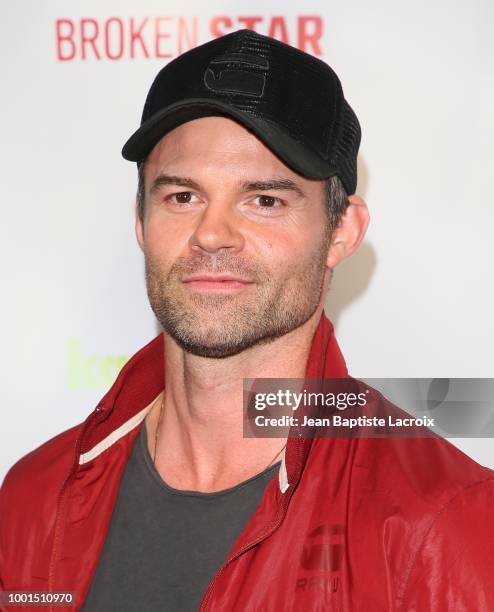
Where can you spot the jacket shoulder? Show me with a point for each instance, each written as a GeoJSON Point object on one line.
{"type": "Point", "coordinates": [39, 468]}
{"type": "Point", "coordinates": [429, 469]}
{"type": "Point", "coordinates": [31, 486]}
{"type": "Point", "coordinates": [418, 462]}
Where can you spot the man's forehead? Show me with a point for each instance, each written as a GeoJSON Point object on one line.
{"type": "Point", "coordinates": [215, 134]}
{"type": "Point", "coordinates": [212, 144]}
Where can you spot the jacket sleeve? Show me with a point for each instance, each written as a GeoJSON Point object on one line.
{"type": "Point", "coordinates": [453, 569]}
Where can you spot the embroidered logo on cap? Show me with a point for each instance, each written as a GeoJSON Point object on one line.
{"type": "Point", "coordinates": [240, 73]}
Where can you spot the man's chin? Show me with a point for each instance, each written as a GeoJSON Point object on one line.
{"type": "Point", "coordinates": [210, 350]}
{"type": "Point", "coordinates": [213, 344]}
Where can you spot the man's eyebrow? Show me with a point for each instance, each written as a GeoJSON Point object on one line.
{"type": "Point", "coordinates": [167, 179]}
{"type": "Point", "coordinates": [273, 185]}
{"type": "Point", "coordinates": [268, 185]}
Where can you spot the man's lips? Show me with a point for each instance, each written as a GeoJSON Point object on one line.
{"type": "Point", "coordinates": [215, 282]}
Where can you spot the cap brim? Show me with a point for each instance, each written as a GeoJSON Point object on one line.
{"type": "Point", "coordinates": [294, 154]}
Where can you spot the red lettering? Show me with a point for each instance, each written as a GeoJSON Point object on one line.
{"type": "Point", "coordinates": [277, 29]}
{"type": "Point", "coordinates": [189, 42]}
{"type": "Point", "coordinates": [136, 35]}
{"type": "Point", "coordinates": [305, 37]}
{"type": "Point", "coordinates": [250, 22]}
{"type": "Point", "coordinates": [158, 35]}
{"type": "Point", "coordinates": [165, 29]}
{"type": "Point", "coordinates": [216, 22]}
{"type": "Point", "coordinates": [87, 38]}
{"type": "Point", "coordinates": [119, 36]}
{"type": "Point", "coordinates": [65, 39]}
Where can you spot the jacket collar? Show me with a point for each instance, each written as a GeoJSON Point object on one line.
{"type": "Point", "coordinates": [140, 381]}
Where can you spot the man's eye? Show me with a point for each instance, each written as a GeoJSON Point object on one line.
{"type": "Point", "coordinates": [266, 201]}
{"type": "Point", "coordinates": [182, 197]}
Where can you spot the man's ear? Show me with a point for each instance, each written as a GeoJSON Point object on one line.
{"type": "Point", "coordinates": [139, 229]}
{"type": "Point", "coordinates": [350, 231]}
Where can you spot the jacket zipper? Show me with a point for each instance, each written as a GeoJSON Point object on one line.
{"type": "Point", "coordinates": [282, 508]}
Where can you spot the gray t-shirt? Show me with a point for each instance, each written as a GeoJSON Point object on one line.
{"type": "Point", "coordinates": [164, 545]}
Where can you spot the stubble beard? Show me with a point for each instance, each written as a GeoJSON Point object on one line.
{"type": "Point", "coordinates": [219, 325]}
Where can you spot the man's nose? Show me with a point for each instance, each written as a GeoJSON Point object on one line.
{"type": "Point", "coordinates": [217, 228]}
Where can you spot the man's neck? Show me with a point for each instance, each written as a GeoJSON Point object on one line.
{"type": "Point", "coordinates": [200, 443]}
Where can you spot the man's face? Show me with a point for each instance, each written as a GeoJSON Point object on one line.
{"type": "Point", "coordinates": [220, 205]}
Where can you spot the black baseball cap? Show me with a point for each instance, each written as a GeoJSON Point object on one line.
{"type": "Point", "coordinates": [292, 101]}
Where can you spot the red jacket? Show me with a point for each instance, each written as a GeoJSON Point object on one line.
{"type": "Point", "coordinates": [349, 525]}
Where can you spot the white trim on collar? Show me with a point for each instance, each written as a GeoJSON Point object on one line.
{"type": "Point", "coordinates": [283, 476]}
{"type": "Point", "coordinates": [115, 435]}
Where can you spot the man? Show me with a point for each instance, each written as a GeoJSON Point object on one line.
{"type": "Point", "coordinates": [247, 172]}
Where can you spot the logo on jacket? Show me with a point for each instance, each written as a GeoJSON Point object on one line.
{"type": "Point", "coordinates": [323, 554]}
{"type": "Point", "coordinates": [239, 73]}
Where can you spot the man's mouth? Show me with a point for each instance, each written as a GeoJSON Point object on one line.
{"type": "Point", "coordinates": [216, 282]}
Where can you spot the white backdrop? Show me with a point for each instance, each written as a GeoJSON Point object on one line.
{"type": "Point", "coordinates": [416, 300]}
